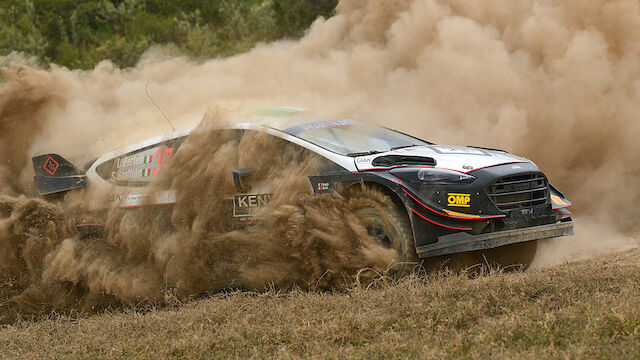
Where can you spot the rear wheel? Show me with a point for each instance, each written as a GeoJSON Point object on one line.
{"type": "Point", "coordinates": [385, 221]}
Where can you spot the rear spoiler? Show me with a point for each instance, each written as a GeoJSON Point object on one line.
{"type": "Point", "coordinates": [55, 174]}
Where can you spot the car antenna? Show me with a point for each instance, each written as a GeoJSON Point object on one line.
{"type": "Point", "coordinates": [146, 90]}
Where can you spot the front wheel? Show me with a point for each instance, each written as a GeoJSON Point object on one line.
{"type": "Point", "coordinates": [385, 221]}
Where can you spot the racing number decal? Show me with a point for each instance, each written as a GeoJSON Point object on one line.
{"type": "Point", "coordinates": [158, 156]}
{"type": "Point", "coordinates": [140, 165]}
{"type": "Point", "coordinates": [169, 153]}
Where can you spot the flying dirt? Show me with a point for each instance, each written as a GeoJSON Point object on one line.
{"type": "Point", "coordinates": [556, 81]}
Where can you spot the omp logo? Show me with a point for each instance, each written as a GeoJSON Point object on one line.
{"type": "Point", "coordinates": [459, 200]}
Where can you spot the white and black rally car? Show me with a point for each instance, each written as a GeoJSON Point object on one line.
{"type": "Point", "coordinates": [447, 199]}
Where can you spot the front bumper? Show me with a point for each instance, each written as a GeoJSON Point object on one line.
{"type": "Point", "coordinates": [463, 242]}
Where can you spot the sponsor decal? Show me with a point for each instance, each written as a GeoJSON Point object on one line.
{"type": "Point", "coordinates": [459, 200]}
{"type": "Point", "coordinates": [140, 198]}
{"type": "Point", "coordinates": [128, 174]}
{"type": "Point", "coordinates": [248, 205]}
{"type": "Point", "coordinates": [404, 151]}
{"type": "Point", "coordinates": [452, 150]}
{"type": "Point", "coordinates": [558, 201]}
{"type": "Point", "coordinates": [364, 160]}
{"type": "Point", "coordinates": [453, 213]}
{"type": "Point", "coordinates": [323, 186]}
{"type": "Point", "coordinates": [144, 157]}
{"type": "Point", "coordinates": [114, 198]}
{"type": "Point", "coordinates": [135, 198]}
{"type": "Point", "coordinates": [51, 166]}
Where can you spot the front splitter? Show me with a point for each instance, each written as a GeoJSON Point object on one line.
{"type": "Point", "coordinates": [463, 242]}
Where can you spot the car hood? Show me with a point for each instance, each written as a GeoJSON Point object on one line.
{"type": "Point", "coordinates": [459, 158]}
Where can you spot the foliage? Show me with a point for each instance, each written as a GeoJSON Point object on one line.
{"type": "Point", "coordinates": [79, 34]}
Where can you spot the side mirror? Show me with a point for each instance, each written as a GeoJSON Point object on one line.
{"type": "Point", "coordinates": [240, 178]}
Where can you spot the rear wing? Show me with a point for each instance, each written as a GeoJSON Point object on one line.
{"type": "Point", "coordinates": [55, 174]}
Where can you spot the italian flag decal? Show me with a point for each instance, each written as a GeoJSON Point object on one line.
{"type": "Point", "coordinates": [146, 172]}
{"type": "Point", "coordinates": [148, 159]}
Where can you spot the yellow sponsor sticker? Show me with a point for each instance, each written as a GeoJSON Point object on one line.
{"type": "Point", "coordinates": [453, 213]}
{"type": "Point", "coordinates": [459, 200]}
{"type": "Point", "coordinates": [558, 201]}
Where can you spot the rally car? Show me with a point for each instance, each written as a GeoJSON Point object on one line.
{"type": "Point", "coordinates": [442, 200]}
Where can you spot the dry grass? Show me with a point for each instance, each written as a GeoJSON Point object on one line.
{"type": "Point", "coordinates": [589, 309]}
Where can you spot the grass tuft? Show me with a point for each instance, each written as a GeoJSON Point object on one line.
{"type": "Point", "coordinates": [588, 309]}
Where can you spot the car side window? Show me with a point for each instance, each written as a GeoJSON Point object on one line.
{"type": "Point", "coordinates": [260, 150]}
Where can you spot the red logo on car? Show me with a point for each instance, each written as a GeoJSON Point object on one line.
{"type": "Point", "coordinates": [51, 166]}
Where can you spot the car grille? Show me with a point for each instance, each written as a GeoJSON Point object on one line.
{"type": "Point", "coordinates": [520, 191]}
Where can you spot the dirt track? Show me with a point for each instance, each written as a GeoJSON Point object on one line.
{"type": "Point", "coordinates": [555, 81]}
{"type": "Point", "coordinates": [587, 309]}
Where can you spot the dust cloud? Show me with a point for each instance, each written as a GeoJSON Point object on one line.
{"type": "Point", "coordinates": [156, 255]}
{"type": "Point", "coordinates": [556, 81]}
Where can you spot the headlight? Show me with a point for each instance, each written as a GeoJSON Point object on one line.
{"type": "Point", "coordinates": [444, 177]}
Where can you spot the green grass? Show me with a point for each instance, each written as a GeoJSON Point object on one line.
{"type": "Point", "coordinates": [79, 34]}
{"type": "Point", "coordinates": [589, 309]}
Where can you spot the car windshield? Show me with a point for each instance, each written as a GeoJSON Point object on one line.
{"type": "Point", "coordinates": [348, 137]}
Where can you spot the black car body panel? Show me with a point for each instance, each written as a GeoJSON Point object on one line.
{"type": "Point", "coordinates": [507, 204]}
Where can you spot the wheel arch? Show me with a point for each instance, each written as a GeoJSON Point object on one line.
{"type": "Point", "coordinates": [397, 200]}
{"type": "Point", "coordinates": [343, 182]}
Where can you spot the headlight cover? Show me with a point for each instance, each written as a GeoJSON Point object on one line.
{"type": "Point", "coordinates": [444, 177]}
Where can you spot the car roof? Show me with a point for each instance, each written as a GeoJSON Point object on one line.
{"type": "Point", "coordinates": [294, 120]}
{"type": "Point", "coordinates": [283, 117]}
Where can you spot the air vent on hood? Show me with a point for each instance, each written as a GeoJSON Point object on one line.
{"type": "Point", "coordinates": [396, 160]}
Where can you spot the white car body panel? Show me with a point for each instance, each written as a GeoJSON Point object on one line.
{"type": "Point", "coordinates": [458, 158]}
{"type": "Point", "coordinates": [124, 196]}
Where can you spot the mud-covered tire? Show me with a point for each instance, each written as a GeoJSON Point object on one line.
{"type": "Point", "coordinates": [388, 223]}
